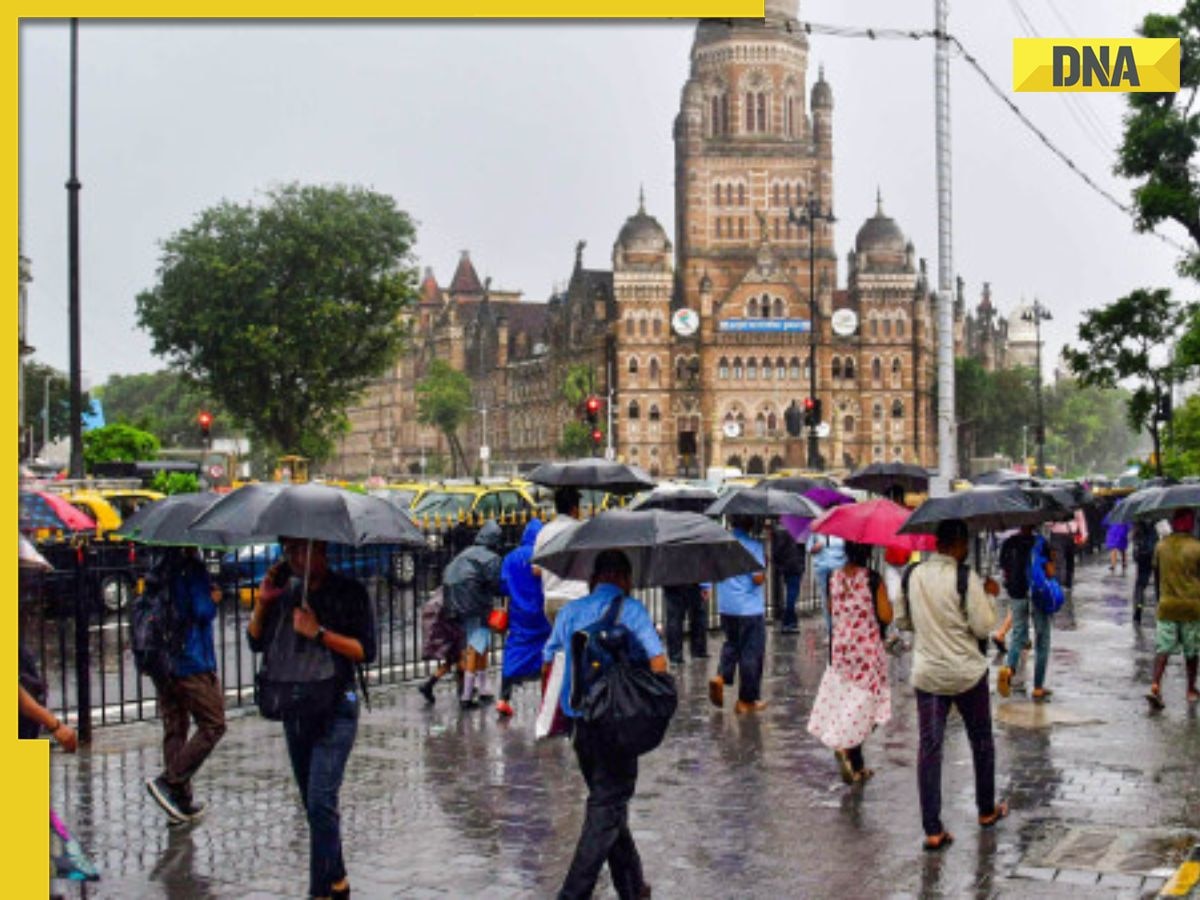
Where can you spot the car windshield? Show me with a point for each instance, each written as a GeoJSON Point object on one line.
{"type": "Point", "coordinates": [443, 503]}
{"type": "Point", "coordinates": [400, 498]}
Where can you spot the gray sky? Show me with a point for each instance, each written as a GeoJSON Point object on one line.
{"type": "Point", "coordinates": [514, 140]}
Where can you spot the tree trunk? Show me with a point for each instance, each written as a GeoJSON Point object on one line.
{"type": "Point", "coordinates": [1158, 468]}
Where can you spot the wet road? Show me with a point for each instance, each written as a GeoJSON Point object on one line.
{"type": "Point", "coordinates": [1105, 795]}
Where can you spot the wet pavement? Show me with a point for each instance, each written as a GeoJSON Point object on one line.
{"type": "Point", "coordinates": [1105, 795]}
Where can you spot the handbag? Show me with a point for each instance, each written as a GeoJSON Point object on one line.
{"type": "Point", "coordinates": [299, 677]}
{"type": "Point", "coordinates": [497, 619]}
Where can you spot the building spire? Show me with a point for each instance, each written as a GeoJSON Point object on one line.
{"type": "Point", "coordinates": [641, 199]}
{"type": "Point", "coordinates": [878, 201]}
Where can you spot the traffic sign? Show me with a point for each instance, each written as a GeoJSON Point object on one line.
{"type": "Point", "coordinates": [822, 429]}
{"type": "Point", "coordinates": [485, 452]}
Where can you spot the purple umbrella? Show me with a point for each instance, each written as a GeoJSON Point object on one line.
{"type": "Point", "coordinates": [827, 497]}
{"type": "Point", "coordinates": [797, 527]}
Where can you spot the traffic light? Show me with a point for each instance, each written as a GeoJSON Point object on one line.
{"type": "Point", "coordinates": [205, 420]}
{"type": "Point", "coordinates": [597, 436]}
{"type": "Point", "coordinates": [810, 407]}
{"type": "Point", "coordinates": [817, 419]}
{"type": "Point", "coordinates": [1163, 411]}
{"type": "Point", "coordinates": [593, 409]}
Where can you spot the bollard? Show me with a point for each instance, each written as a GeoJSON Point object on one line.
{"type": "Point", "coordinates": [83, 663]}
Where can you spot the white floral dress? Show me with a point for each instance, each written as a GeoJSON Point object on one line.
{"type": "Point", "coordinates": [853, 696]}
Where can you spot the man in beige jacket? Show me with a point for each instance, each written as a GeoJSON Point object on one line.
{"type": "Point", "coordinates": [950, 611]}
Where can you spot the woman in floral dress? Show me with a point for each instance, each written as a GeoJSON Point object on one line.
{"type": "Point", "coordinates": [853, 697]}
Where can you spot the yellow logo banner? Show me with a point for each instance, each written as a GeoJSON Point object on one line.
{"type": "Point", "coordinates": [1111, 65]}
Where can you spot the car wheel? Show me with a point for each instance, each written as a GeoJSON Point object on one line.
{"type": "Point", "coordinates": [115, 591]}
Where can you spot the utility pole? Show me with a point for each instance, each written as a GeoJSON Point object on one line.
{"type": "Point", "coordinates": [945, 303]}
{"type": "Point", "coordinates": [807, 217]}
{"type": "Point", "coordinates": [73, 186]}
{"type": "Point", "coordinates": [609, 452]}
{"type": "Point", "coordinates": [1037, 315]}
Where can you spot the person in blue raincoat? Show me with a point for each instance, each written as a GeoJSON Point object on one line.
{"type": "Point", "coordinates": [528, 627]}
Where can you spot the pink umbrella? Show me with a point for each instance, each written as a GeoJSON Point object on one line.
{"type": "Point", "coordinates": [873, 522]}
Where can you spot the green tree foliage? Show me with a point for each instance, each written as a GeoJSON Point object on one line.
{"type": "Point", "coordinates": [36, 377]}
{"type": "Point", "coordinates": [1125, 341]}
{"type": "Point", "coordinates": [1086, 431]}
{"type": "Point", "coordinates": [578, 385]}
{"type": "Point", "coordinates": [285, 311]}
{"type": "Point", "coordinates": [164, 403]}
{"type": "Point", "coordinates": [991, 408]}
{"type": "Point", "coordinates": [118, 443]}
{"type": "Point", "coordinates": [175, 483]}
{"type": "Point", "coordinates": [1183, 454]}
{"type": "Point", "coordinates": [576, 440]}
{"type": "Point", "coordinates": [1162, 137]}
{"type": "Point", "coordinates": [444, 401]}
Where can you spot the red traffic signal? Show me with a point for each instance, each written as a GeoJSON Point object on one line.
{"type": "Point", "coordinates": [809, 403]}
{"type": "Point", "coordinates": [597, 436]}
{"type": "Point", "coordinates": [205, 419]}
{"type": "Point", "coordinates": [593, 405]}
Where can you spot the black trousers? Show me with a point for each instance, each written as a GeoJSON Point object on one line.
{"type": "Point", "coordinates": [744, 648]}
{"type": "Point", "coordinates": [685, 601]}
{"type": "Point", "coordinates": [1063, 546]}
{"type": "Point", "coordinates": [611, 781]}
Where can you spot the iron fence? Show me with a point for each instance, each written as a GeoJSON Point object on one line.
{"type": "Point", "coordinates": [76, 618]}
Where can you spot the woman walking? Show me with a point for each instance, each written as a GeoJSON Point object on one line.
{"type": "Point", "coordinates": [853, 697]}
{"type": "Point", "coordinates": [528, 627]}
{"type": "Point", "coordinates": [1116, 540]}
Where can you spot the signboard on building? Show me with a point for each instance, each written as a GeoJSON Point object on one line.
{"type": "Point", "coordinates": [764, 326]}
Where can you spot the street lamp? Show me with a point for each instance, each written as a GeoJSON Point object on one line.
{"type": "Point", "coordinates": [807, 216]}
{"type": "Point", "coordinates": [1037, 315]}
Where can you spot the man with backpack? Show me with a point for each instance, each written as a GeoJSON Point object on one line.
{"type": "Point", "coordinates": [1017, 555]}
{"type": "Point", "coordinates": [180, 597]}
{"type": "Point", "coordinates": [611, 775]}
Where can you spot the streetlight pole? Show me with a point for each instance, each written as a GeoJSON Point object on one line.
{"type": "Point", "coordinates": [806, 217]}
{"type": "Point", "coordinates": [1037, 315]}
{"type": "Point", "coordinates": [73, 186]}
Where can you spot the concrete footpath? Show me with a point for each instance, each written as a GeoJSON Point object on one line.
{"type": "Point", "coordinates": [1105, 795]}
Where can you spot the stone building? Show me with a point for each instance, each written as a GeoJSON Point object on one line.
{"type": "Point", "coordinates": [705, 344]}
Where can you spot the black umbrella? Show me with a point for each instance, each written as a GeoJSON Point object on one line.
{"type": "Point", "coordinates": [882, 478]}
{"type": "Point", "coordinates": [165, 522]}
{"type": "Point", "coordinates": [994, 508]}
{"type": "Point", "coordinates": [614, 477]}
{"type": "Point", "coordinates": [1001, 476]}
{"type": "Point", "coordinates": [1070, 495]}
{"type": "Point", "coordinates": [797, 484]}
{"type": "Point", "coordinates": [1170, 500]}
{"type": "Point", "coordinates": [764, 501]}
{"type": "Point", "coordinates": [1129, 507]}
{"type": "Point", "coordinates": [665, 548]}
{"type": "Point", "coordinates": [318, 512]}
{"type": "Point", "coordinates": [676, 498]}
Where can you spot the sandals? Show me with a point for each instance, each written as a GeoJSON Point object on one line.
{"type": "Point", "coordinates": [1154, 695]}
{"type": "Point", "coordinates": [844, 766]}
{"type": "Point", "coordinates": [936, 842]}
{"type": "Point", "coordinates": [999, 811]}
{"type": "Point", "coordinates": [1004, 681]}
{"type": "Point", "coordinates": [863, 775]}
{"type": "Point", "coordinates": [1041, 695]}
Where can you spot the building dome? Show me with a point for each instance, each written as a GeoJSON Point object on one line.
{"type": "Point", "coordinates": [880, 244]}
{"type": "Point", "coordinates": [642, 241]}
{"type": "Point", "coordinates": [1021, 330]}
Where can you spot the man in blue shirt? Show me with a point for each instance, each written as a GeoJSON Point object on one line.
{"type": "Point", "coordinates": [611, 778]}
{"type": "Point", "coordinates": [740, 603]}
{"type": "Point", "coordinates": [192, 690]}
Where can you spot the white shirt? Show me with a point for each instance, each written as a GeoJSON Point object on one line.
{"type": "Point", "coordinates": [558, 591]}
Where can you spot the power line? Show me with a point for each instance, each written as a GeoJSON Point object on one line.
{"type": "Point", "coordinates": [925, 34]}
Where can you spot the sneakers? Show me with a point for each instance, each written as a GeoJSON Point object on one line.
{"type": "Point", "coordinates": [426, 689]}
{"type": "Point", "coordinates": [504, 708]}
{"type": "Point", "coordinates": [165, 797]}
{"type": "Point", "coordinates": [1004, 681]}
{"type": "Point", "coordinates": [716, 691]}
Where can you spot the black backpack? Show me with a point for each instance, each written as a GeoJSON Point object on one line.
{"type": "Point", "coordinates": [157, 628]}
{"type": "Point", "coordinates": [1014, 563]}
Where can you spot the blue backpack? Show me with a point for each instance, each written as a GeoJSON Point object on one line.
{"type": "Point", "coordinates": [1045, 592]}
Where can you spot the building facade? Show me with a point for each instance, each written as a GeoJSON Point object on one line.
{"type": "Point", "coordinates": [705, 345]}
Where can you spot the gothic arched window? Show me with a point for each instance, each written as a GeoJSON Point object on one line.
{"type": "Point", "coordinates": [656, 326]}
{"type": "Point", "coordinates": [737, 368]}
{"type": "Point", "coordinates": [897, 409]}
{"type": "Point", "coordinates": [634, 410]}
{"type": "Point", "coordinates": [848, 371]}
{"type": "Point", "coordinates": [654, 413]}
{"type": "Point", "coordinates": [723, 368]}
{"type": "Point", "coordinates": [654, 371]}
{"type": "Point", "coordinates": [633, 365]}
{"type": "Point", "coordinates": [741, 195]}
{"type": "Point", "coordinates": [751, 369]}
{"type": "Point", "coordinates": [643, 327]}
{"type": "Point", "coordinates": [794, 367]}
{"type": "Point", "coordinates": [749, 111]}
{"type": "Point", "coordinates": [775, 193]}
{"type": "Point", "coordinates": [778, 308]}
{"type": "Point", "coordinates": [876, 369]}
{"type": "Point", "coordinates": [762, 111]}
{"type": "Point", "coordinates": [766, 367]}
{"type": "Point", "coordinates": [752, 308]}
{"type": "Point", "coordinates": [848, 425]}
{"type": "Point", "coordinates": [900, 328]}
{"type": "Point", "coordinates": [837, 369]}
{"type": "Point", "coordinates": [629, 326]}
{"type": "Point", "coordinates": [780, 369]}
{"type": "Point", "coordinates": [877, 412]}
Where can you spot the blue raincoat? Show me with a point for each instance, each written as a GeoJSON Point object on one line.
{"type": "Point", "coordinates": [528, 627]}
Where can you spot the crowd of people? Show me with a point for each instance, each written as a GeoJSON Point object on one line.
{"type": "Point", "coordinates": [315, 629]}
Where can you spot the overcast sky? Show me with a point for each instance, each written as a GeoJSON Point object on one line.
{"type": "Point", "coordinates": [515, 140]}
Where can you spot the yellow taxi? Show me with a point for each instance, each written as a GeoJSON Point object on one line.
{"type": "Point", "coordinates": [447, 501]}
{"type": "Point", "coordinates": [404, 494]}
{"type": "Point", "coordinates": [92, 503]}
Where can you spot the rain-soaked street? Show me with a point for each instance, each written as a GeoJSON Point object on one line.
{"type": "Point", "coordinates": [1105, 796]}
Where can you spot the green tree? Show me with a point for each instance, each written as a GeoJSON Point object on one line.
{"type": "Point", "coordinates": [444, 401]}
{"type": "Point", "coordinates": [578, 385]}
{"type": "Point", "coordinates": [175, 483]}
{"type": "Point", "coordinates": [1123, 342]}
{"type": "Point", "coordinates": [1086, 430]}
{"type": "Point", "coordinates": [118, 443]}
{"type": "Point", "coordinates": [991, 407]}
{"type": "Point", "coordinates": [1183, 455]}
{"type": "Point", "coordinates": [576, 440]}
{"type": "Point", "coordinates": [1162, 137]}
{"type": "Point", "coordinates": [284, 312]}
{"type": "Point", "coordinates": [57, 402]}
{"type": "Point", "coordinates": [164, 403]}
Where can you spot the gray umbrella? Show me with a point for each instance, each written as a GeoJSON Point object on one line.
{"type": "Point", "coordinates": [1130, 506]}
{"type": "Point", "coordinates": [665, 548]}
{"type": "Point", "coordinates": [614, 477]}
{"type": "Point", "coordinates": [988, 508]}
{"type": "Point", "coordinates": [1170, 500]}
{"type": "Point", "coordinates": [318, 512]}
{"type": "Point", "coordinates": [763, 502]}
{"type": "Point", "coordinates": [165, 522]}
{"type": "Point", "coordinates": [676, 498]}
{"type": "Point", "coordinates": [881, 478]}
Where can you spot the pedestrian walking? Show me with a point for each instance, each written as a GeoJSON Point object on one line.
{"type": "Point", "coordinates": [1017, 554]}
{"type": "Point", "coordinates": [787, 559]}
{"type": "Point", "coordinates": [949, 610]}
{"type": "Point", "coordinates": [687, 602]}
{"type": "Point", "coordinates": [1145, 539]}
{"type": "Point", "coordinates": [1067, 538]}
{"type": "Point", "coordinates": [309, 619]}
{"type": "Point", "coordinates": [1177, 563]}
{"type": "Point", "coordinates": [443, 642]}
{"type": "Point", "coordinates": [854, 697]}
{"type": "Point", "coordinates": [527, 625]}
{"type": "Point", "coordinates": [558, 592]}
{"type": "Point", "coordinates": [743, 620]}
{"type": "Point", "coordinates": [611, 776]}
{"type": "Point", "coordinates": [470, 585]}
{"type": "Point", "coordinates": [190, 691]}
{"type": "Point", "coordinates": [1116, 541]}
{"type": "Point", "coordinates": [827, 554]}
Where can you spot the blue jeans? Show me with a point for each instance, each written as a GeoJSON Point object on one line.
{"type": "Point", "coordinates": [319, 749]}
{"type": "Point", "coordinates": [791, 585]}
{"type": "Point", "coordinates": [1022, 609]}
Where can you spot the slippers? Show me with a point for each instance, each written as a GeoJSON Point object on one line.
{"type": "Point", "coordinates": [863, 775]}
{"type": "Point", "coordinates": [844, 766]}
{"type": "Point", "coordinates": [999, 811]}
{"type": "Point", "coordinates": [1041, 695]}
{"type": "Point", "coordinates": [936, 842]}
{"type": "Point", "coordinates": [1155, 698]}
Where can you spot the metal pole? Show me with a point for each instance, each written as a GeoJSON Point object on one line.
{"type": "Point", "coordinates": [83, 664]}
{"type": "Point", "coordinates": [73, 185]}
{"type": "Point", "coordinates": [813, 453]}
{"type": "Point", "coordinates": [945, 305]}
{"type": "Point", "coordinates": [46, 414]}
{"type": "Point", "coordinates": [1041, 421]}
{"type": "Point", "coordinates": [609, 454]}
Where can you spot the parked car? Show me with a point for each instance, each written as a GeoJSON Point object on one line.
{"type": "Point", "coordinates": [448, 501]}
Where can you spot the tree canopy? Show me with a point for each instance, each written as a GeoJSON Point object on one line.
{"type": "Point", "coordinates": [444, 401]}
{"type": "Point", "coordinates": [57, 403]}
{"type": "Point", "coordinates": [118, 443]}
{"type": "Point", "coordinates": [578, 385]}
{"type": "Point", "coordinates": [164, 403]}
{"type": "Point", "coordinates": [285, 311]}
